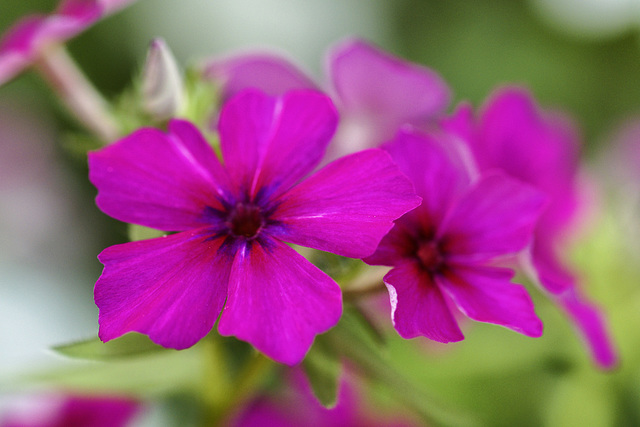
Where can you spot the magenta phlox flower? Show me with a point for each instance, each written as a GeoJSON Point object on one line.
{"type": "Point", "coordinates": [232, 220]}
{"type": "Point", "coordinates": [69, 410]}
{"type": "Point", "coordinates": [375, 92]}
{"type": "Point", "coordinates": [541, 148]}
{"type": "Point", "coordinates": [25, 41]}
{"type": "Point", "coordinates": [447, 248]}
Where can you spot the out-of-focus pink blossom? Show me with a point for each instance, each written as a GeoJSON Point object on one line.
{"type": "Point", "coordinates": [26, 40]}
{"type": "Point", "coordinates": [69, 410]}
{"type": "Point", "coordinates": [539, 147]}
{"type": "Point", "coordinates": [374, 91]}
{"type": "Point", "coordinates": [296, 406]}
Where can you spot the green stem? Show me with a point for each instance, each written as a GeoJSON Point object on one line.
{"type": "Point", "coordinates": [78, 94]}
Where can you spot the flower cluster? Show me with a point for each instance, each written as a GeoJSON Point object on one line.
{"type": "Point", "coordinates": [253, 200]}
{"type": "Point", "coordinates": [491, 190]}
{"type": "Point", "coordinates": [377, 96]}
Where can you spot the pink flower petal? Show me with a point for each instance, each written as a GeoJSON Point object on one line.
{"type": "Point", "coordinates": [485, 294]}
{"type": "Point", "coordinates": [417, 305]}
{"type": "Point", "coordinates": [171, 288]}
{"type": "Point", "coordinates": [346, 207]}
{"type": "Point", "coordinates": [496, 216]}
{"type": "Point", "coordinates": [437, 173]}
{"type": "Point", "coordinates": [272, 74]}
{"type": "Point", "coordinates": [84, 10]}
{"type": "Point", "coordinates": [59, 410]}
{"type": "Point", "coordinates": [461, 123]}
{"type": "Point", "coordinates": [164, 181]}
{"type": "Point", "coordinates": [278, 301]}
{"type": "Point", "coordinates": [385, 89]}
{"type": "Point", "coordinates": [591, 324]}
{"type": "Point", "coordinates": [535, 146]}
{"type": "Point", "coordinates": [552, 274]}
{"type": "Point", "coordinates": [517, 136]}
{"type": "Point", "coordinates": [98, 411]}
{"type": "Point", "coordinates": [269, 144]}
{"type": "Point", "coordinates": [16, 51]}
{"type": "Point", "coordinates": [401, 241]}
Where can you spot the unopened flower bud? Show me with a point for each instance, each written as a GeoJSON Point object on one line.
{"type": "Point", "coordinates": [162, 88]}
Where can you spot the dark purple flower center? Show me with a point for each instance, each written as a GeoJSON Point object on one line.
{"type": "Point", "coordinates": [430, 256]}
{"type": "Point", "coordinates": [245, 220]}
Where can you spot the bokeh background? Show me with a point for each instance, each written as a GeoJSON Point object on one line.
{"type": "Point", "coordinates": [579, 56]}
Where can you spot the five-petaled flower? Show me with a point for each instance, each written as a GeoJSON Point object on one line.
{"type": "Point", "coordinates": [25, 41]}
{"type": "Point", "coordinates": [233, 219]}
{"type": "Point", "coordinates": [445, 249]}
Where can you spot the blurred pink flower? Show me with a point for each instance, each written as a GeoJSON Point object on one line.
{"type": "Point", "coordinates": [69, 410]}
{"type": "Point", "coordinates": [27, 39]}
{"type": "Point", "coordinates": [296, 405]}
{"type": "Point", "coordinates": [374, 91]}
{"type": "Point", "coordinates": [541, 148]}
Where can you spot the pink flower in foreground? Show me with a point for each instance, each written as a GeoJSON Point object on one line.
{"type": "Point", "coordinates": [443, 251]}
{"type": "Point", "coordinates": [66, 411]}
{"type": "Point", "coordinates": [233, 219]}
{"type": "Point", "coordinates": [541, 148]}
{"type": "Point", "coordinates": [23, 43]}
{"type": "Point", "coordinates": [375, 92]}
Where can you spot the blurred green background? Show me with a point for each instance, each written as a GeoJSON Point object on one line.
{"type": "Point", "coordinates": [589, 70]}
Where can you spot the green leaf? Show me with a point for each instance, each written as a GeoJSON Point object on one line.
{"type": "Point", "coordinates": [138, 232]}
{"type": "Point", "coordinates": [155, 374]}
{"type": "Point", "coordinates": [323, 371]}
{"type": "Point", "coordinates": [130, 345]}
